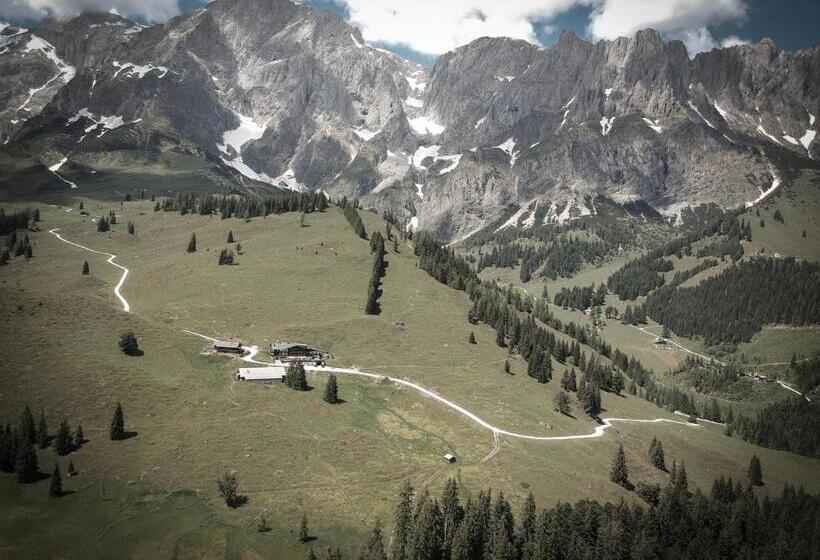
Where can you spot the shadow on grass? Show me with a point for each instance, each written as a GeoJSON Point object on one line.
{"type": "Point", "coordinates": [237, 502]}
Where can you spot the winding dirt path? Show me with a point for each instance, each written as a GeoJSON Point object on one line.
{"type": "Point", "coordinates": [118, 288]}
{"type": "Point", "coordinates": [598, 432]}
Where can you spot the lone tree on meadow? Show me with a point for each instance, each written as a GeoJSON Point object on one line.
{"type": "Point", "coordinates": [656, 455]}
{"type": "Point", "coordinates": [225, 257]}
{"type": "Point", "coordinates": [79, 437]}
{"type": "Point", "coordinates": [619, 473]}
{"type": "Point", "coordinates": [304, 534]}
{"type": "Point", "coordinates": [117, 430]}
{"type": "Point", "coordinates": [27, 429]}
{"type": "Point", "coordinates": [103, 225]}
{"type": "Point", "coordinates": [192, 244]}
{"type": "Point", "coordinates": [129, 344]}
{"type": "Point", "coordinates": [228, 489]}
{"type": "Point", "coordinates": [472, 340]}
{"type": "Point", "coordinates": [331, 391]}
{"type": "Point", "coordinates": [63, 443]}
{"type": "Point", "coordinates": [230, 237]}
{"type": "Point", "coordinates": [755, 472]}
{"type": "Point", "coordinates": [56, 489]}
{"type": "Point", "coordinates": [131, 228]}
{"type": "Point", "coordinates": [86, 269]}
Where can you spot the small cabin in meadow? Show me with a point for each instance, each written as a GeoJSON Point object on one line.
{"type": "Point", "coordinates": [228, 346]}
{"type": "Point", "coordinates": [449, 457]}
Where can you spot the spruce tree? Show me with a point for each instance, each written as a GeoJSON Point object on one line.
{"type": "Point", "coordinates": [331, 395]}
{"type": "Point", "coordinates": [755, 472]}
{"type": "Point", "coordinates": [117, 430]}
{"type": "Point", "coordinates": [192, 244]}
{"type": "Point", "coordinates": [561, 402]}
{"type": "Point", "coordinates": [228, 486]}
{"type": "Point", "coordinates": [131, 228]}
{"type": "Point", "coordinates": [506, 366]}
{"type": "Point", "coordinates": [471, 340]}
{"type": "Point", "coordinates": [374, 548]}
{"type": "Point", "coordinates": [56, 489]}
{"type": "Point", "coordinates": [79, 437]}
{"type": "Point", "coordinates": [656, 455]}
{"type": "Point", "coordinates": [619, 473]}
{"type": "Point", "coordinates": [42, 432]}
{"type": "Point", "coordinates": [403, 524]}
{"type": "Point", "coordinates": [71, 470]}
{"type": "Point", "coordinates": [25, 462]}
{"type": "Point", "coordinates": [129, 345]}
{"type": "Point", "coordinates": [29, 252]}
{"type": "Point", "coordinates": [263, 526]}
{"type": "Point", "coordinates": [304, 534]}
{"type": "Point", "coordinates": [27, 430]}
{"type": "Point", "coordinates": [81, 206]}
{"type": "Point", "coordinates": [230, 237]}
{"type": "Point", "coordinates": [86, 269]}
{"type": "Point", "coordinates": [295, 378]}
{"type": "Point", "coordinates": [63, 443]}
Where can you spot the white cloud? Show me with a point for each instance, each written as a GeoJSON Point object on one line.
{"type": "Point", "coordinates": [733, 41]}
{"type": "Point", "coordinates": [687, 20]}
{"type": "Point", "coordinates": [148, 10]}
{"type": "Point", "coordinates": [436, 26]}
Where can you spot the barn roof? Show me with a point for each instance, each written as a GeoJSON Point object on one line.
{"type": "Point", "coordinates": [289, 345]}
{"type": "Point", "coordinates": [228, 344]}
{"type": "Point", "coordinates": [262, 373]}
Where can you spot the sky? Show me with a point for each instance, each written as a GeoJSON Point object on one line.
{"type": "Point", "coordinates": [423, 29]}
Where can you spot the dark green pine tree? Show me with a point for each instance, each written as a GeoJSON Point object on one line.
{"type": "Point", "coordinates": [103, 225]}
{"type": "Point", "coordinates": [63, 443]}
{"type": "Point", "coordinates": [86, 269]}
{"type": "Point", "coordinates": [403, 524]}
{"type": "Point", "coordinates": [331, 395]}
{"type": "Point", "coordinates": [371, 307]}
{"type": "Point", "coordinates": [79, 437]}
{"type": "Point", "coordinates": [81, 206]}
{"type": "Point", "coordinates": [25, 461]}
{"type": "Point", "coordinates": [131, 228]}
{"type": "Point", "coordinates": [755, 472]}
{"type": "Point", "coordinates": [56, 489]}
{"type": "Point", "coordinates": [374, 547]}
{"type": "Point", "coordinates": [192, 244]}
{"type": "Point", "coordinates": [117, 430]}
{"type": "Point", "coordinates": [296, 378]}
{"type": "Point", "coordinates": [451, 514]}
{"type": "Point", "coordinates": [472, 340]}
{"type": "Point", "coordinates": [27, 429]}
{"type": "Point", "coordinates": [128, 344]}
{"type": "Point", "coordinates": [656, 455]}
{"type": "Point", "coordinates": [71, 470]}
{"type": "Point", "coordinates": [42, 432]}
{"type": "Point", "coordinates": [230, 237]}
{"type": "Point", "coordinates": [304, 533]}
{"type": "Point", "coordinates": [619, 473]}
{"type": "Point", "coordinates": [506, 366]}
{"type": "Point", "coordinates": [501, 334]}
{"type": "Point", "coordinates": [29, 252]}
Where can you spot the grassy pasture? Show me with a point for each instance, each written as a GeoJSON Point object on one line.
{"type": "Point", "coordinates": [154, 495]}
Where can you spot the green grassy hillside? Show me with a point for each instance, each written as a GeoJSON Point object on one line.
{"type": "Point", "coordinates": [155, 495]}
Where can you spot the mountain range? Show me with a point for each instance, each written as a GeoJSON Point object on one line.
{"type": "Point", "coordinates": [266, 95]}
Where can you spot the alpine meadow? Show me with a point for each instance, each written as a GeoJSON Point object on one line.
{"type": "Point", "coordinates": [294, 280]}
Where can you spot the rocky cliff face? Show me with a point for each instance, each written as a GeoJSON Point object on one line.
{"type": "Point", "coordinates": [272, 94]}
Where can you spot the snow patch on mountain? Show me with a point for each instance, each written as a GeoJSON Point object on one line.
{"type": "Point", "coordinates": [130, 70]}
{"type": "Point", "coordinates": [762, 131]}
{"type": "Point", "coordinates": [365, 134]}
{"type": "Point", "coordinates": [425, 125]}
{"type": "Point", "coordinates": [423, 152]}
{"type": "Point", "coordinates": [696, 110]}
{"type": "Point", "coordinates": [414, 102]}
{"type": "Point", "coordinates": [606, 124]}
{"type": "Point", "coordinates": [247, 131]}
{"type": "Point", "coordinates": [508, 147]}
{"type": "Point", "coordinates": [454, 161]}
{"type": "Point", "coordinates": [65, 72]}
{"type": "Point", "coordinates": [654, 125]}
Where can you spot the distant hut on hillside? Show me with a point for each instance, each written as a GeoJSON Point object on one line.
{"type": "Point", "coordinates": [449, 457]}
{"type": "Point", "coordinates": [228, 346]}
{"type": "Point", "coordinates": [295, 352]}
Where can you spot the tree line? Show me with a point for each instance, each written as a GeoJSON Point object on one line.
{"type": "Point", "coordinates": [735, 304]}
{"type": "Point", "coordinates": [20, 219]}
{"type": "Point", "coordinates": [229, 206]}
{"type": "Point", "coordinates": [727, 523]}
{"type": "Point", "coordinates": [374, 292]}
{"type": "Point", "coordinates": [352, 216]}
